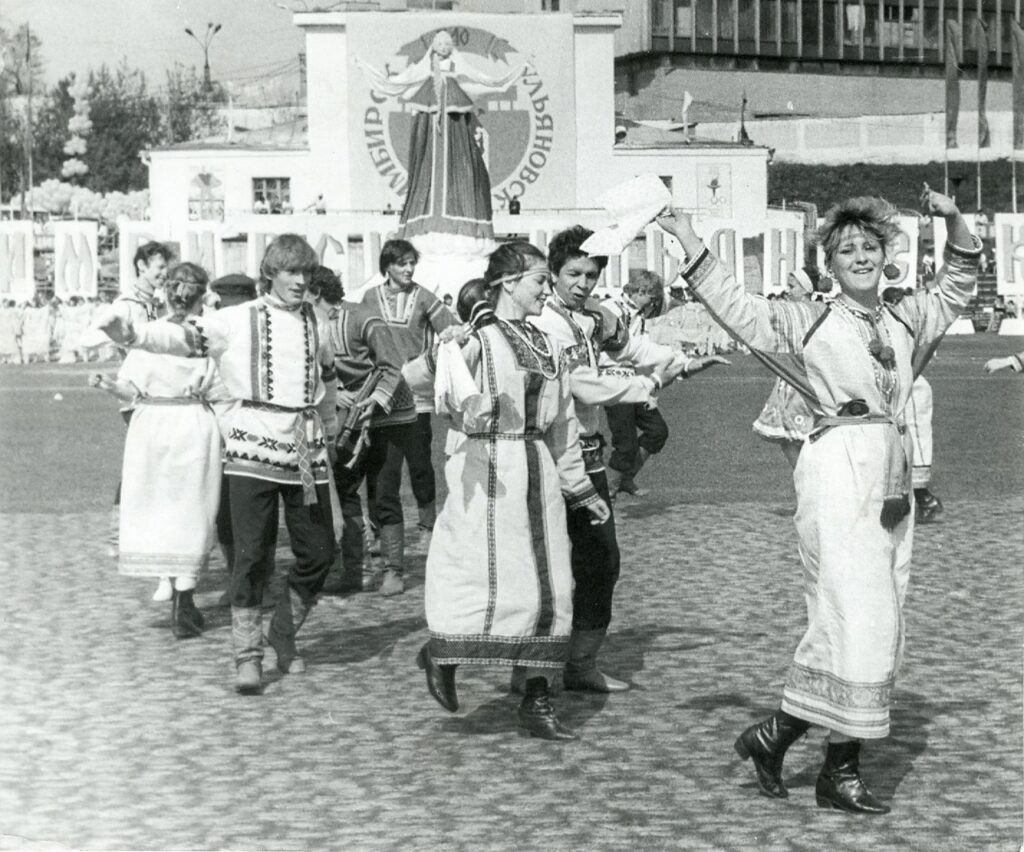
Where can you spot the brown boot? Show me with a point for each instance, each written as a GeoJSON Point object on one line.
{"type": "Point", "coordinates": [289, 615]}
{"type": "Point", "coordinates": [581, 672]}
{"type": "Point", "coordinates": [392, 546]}
{"type": "Point", "coordinates": [247, 638]}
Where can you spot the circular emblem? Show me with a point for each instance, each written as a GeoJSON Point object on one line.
{"type": "Point", "coordinates": [511, 118]}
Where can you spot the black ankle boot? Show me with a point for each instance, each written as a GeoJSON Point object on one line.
{"type": "Point", "coordinates": [537, 715]}
{"type": "Point", "coordinates": [839, 784]}
{"type": "Point", "coordinates": [440, 680]}
{"type": "Point", "coordinates": [186, 619]}
{"type": "Point", "coordinates": [766, 743]}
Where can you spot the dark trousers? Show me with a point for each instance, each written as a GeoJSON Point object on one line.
{"type": "Point", "coordinates": [421, 468]}
{"type": "Point", "coordinates": [416, 449]}
{"type": "Point", "coordinates": [254, 529]}
{"type": "Point", "coordinates": [624, 422]}
{"type": "Point", "coordinates": [595, 564]}
{"type": "Point", "coordinates": [381, 467]}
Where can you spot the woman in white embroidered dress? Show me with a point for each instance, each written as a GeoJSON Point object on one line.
{"type": "Point", "coordinates": [499, 581]}
{"type": "Point", "coordinates": [172, 463]}
{"type": "Point", "coordinates": [854, 359]}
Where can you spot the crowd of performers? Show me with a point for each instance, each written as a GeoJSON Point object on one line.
{"type": "Point", "coordinates": [50, 330]}
{"type": "Point", "coordinates": [294, 392]}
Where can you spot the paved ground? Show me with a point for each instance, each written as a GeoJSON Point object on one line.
{"type": "Point", "coordinates": [114, 735]}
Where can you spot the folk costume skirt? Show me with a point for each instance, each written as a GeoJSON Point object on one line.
{"type": "Point", "coordinates": [170, 489]}
{"type": "Point", "coordinates": [499, 580]}
{"type": "Point", "coordinates": [855, 581]}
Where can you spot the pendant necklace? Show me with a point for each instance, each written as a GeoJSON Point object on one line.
{"type": "Point", "coordinates": [541, 354]}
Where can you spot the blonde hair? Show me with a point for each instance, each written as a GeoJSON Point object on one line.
{"type": "Point", "coordinates": [874, 216]}
{"type": "Point", "coordinates": [288, 252]}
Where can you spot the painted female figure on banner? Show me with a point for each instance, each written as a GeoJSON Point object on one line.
{"type": "Point", "coordinates": [449, 190]}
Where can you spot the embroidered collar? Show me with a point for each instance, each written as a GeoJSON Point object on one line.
{"type": "Point", "coordinates": [274, 302]}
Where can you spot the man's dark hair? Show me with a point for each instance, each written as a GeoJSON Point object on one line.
{"type": "Point", "coordinates": [326, 285]}
{"type": "Point", "coordinates": [147, 251]}
{"type": "Point", "coordinates": [565, 246]}
{"type": "Point", "coordinates": [393, 251]}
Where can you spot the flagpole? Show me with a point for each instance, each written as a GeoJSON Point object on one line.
{"type": "Point", "coordinates": [1013, 179]}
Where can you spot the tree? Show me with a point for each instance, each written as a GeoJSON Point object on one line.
{"type": "Point", "coordinates": [22, 60]}
{"type": "Point", "coordinates": [12, 150]}
{"type": "Point", "coordinates": [126, 120]}
{"type": "Point", "coordinates": [51, 130]}
{"type": "Point", "coordinates": [192, 112]}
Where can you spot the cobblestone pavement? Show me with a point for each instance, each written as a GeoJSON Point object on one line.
{"type": "Point", "coordinates": [118, 736]}
{"type": "Point", "coordinates": [115, 735]}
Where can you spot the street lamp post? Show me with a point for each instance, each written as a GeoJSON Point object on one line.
{"type": "Point", "coordinates": [204, 42]}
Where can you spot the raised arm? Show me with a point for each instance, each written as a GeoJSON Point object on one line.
{"type": "Point", "coordinates": [928, 313]}
{"type": "Point", "coordinates": [752, 320]}
{"type": "Point", "coordinates": [196, 337]}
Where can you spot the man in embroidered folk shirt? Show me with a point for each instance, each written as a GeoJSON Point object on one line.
{"type": "Point", "coordinates": [413, 315]}
{"type": "Point", "coordinates": [375, 407]}
{"type": "Point", "coordinates": [584, 329]}
{"type": "Point", "coordinates": [137, 304]}
{"type": "Point", "coordinates": [276, 360]}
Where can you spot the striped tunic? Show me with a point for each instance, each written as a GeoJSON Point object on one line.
{"type": "Point", "coordinates": [279, 364]}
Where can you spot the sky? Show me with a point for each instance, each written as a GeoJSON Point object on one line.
{"type": "Point", "coordinates": [257, 39]}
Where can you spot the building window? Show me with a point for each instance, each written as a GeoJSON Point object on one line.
{"type": "Point", "coordinates": [272, 195]}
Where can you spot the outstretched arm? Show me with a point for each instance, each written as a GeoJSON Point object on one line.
{"type": "Point", "coordinates": [1010, 362]}
{"type": "Point", "coordinates": [751, 320]}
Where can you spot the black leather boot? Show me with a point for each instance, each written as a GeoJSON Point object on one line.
{"type": "Point", "coordinates": [186, 619]}
{"type": "Point", "coordinates": [839, 783]}
{"type": "Point", "coordinates": [766, 743]}
{"type": "Point", "coordinates": [537, 715]}
{"type": "Point", "coordinates": [440, 680]}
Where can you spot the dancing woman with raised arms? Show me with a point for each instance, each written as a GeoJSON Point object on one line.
{"type": "Point", "coordinates": [854, 361]}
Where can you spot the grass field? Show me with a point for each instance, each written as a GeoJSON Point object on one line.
{"type": "Point", "coordinates": [64, 455]}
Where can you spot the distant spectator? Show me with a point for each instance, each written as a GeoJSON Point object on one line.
{"type": "Point", "coordinates": [261, 204]}
{"type": "Point", "coordinates": [447, 300]}
{"type": "Point", "coordinates": [320, 206]}
{"type": "Point", "coordinates": [514, 206]}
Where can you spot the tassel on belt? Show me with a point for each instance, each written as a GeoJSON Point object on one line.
{"type": "Point", "coordinates": [896, 498]}
{"type": "Point", "coordinates": [302, 417]}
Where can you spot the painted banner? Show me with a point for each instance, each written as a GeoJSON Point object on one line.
{"type": "Point", "coordinates": [17, 274]}
{"type": "Point", "coordinates": [1010, 254]}
{"type": "Point", "coordinates": [526, 128]}
{"type": "Point", "coordinates": [783, 248]}
{"type": "Point", "coordinates": [76, 260]}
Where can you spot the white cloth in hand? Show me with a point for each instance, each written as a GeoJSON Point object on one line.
{"type": "Point", "coordinates": [632, 205]}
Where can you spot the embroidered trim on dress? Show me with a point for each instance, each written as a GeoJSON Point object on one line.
{"type": "Point", "coordinates": [836, 691]}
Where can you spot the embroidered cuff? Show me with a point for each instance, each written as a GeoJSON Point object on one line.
{"type": "Point", "coordinates": [383, 400]}
{"type": "Point", "coordinates": [698, 268]}
{"type": "Point", "coordinates": [585, 498]}
{"type": "Point", "coordinates": [1018, 363]}
{"type": "Point", "coordinates": [972, 253]}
